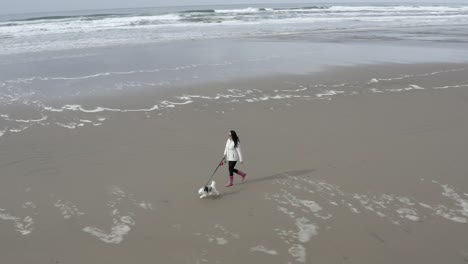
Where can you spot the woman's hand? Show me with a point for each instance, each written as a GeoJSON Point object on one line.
{"type": "Point", "coordinates": [222, 161]}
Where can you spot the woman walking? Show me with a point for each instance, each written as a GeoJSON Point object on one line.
{"type": "Point", "coordinates": [233, 154]}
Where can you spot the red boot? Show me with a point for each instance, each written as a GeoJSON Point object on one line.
{"type": "Point", "coordinates": [242, 174]}
{"type": "Point", "coordinates": [229, 184]}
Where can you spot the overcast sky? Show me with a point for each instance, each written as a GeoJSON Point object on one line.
{"type": "Point", "coordinates": [29, 6]}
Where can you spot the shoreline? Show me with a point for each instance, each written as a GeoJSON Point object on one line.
{"type": "Point", "coordinates": [333, 82]}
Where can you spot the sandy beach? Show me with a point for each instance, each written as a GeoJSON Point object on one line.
{"type": "Point", "coordinates": [352, 119]}
{"type": "Point", "coordinates": [360, 164]}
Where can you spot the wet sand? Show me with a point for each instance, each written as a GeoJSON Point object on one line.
{"type": "Point", "coordinates": [374, 172]}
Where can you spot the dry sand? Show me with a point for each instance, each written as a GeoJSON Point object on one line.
{"type": "Point", "coordinates": [371, 176]}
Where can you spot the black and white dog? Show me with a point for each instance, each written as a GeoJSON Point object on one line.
{"type": "Point", "coordinates": [208, 190]}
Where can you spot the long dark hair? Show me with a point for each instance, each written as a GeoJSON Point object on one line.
{"type": "Point", "coordinates": [235, 138]}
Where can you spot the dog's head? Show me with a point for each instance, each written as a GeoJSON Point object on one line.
{"type": "Point", "coordinates": [201, 191]}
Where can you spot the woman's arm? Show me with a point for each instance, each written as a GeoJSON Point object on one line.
{"type": "Point", "coordinates": [226, 150]}
{"type": "Point", "coordinates": [239, 152]}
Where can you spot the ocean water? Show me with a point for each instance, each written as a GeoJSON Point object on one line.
{"type": "Point", "coordinates": [51, 64]}
{"type": "Point", "coordinates": [71, 30]}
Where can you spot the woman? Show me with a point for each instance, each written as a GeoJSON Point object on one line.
{"type": "Point", "coordinates": [232, 154]}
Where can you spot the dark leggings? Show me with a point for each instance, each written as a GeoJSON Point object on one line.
{"type": "Point", "coordinates": [232, 164]}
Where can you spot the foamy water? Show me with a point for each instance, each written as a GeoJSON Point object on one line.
{"type": "Point", "coordinates": [306, 203]}
{"type": "Point", "coordinates": [307, 215]}
{"type": "Point", "coordinates": [74, 116]}
{"type": "Point", "coordinates": [84, 29]}
{"type": "Point", "coordinates": [121, 221]}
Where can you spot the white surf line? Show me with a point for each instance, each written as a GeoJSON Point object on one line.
{"type": "Point", "coordinates": [105, 74]}
{"type": "Point", "coordinates": [306, 87]}
{"type": "Point", "coordinates": [43, 118]}
{"type": "Point", "coordinates": [330, 85]}
{"type": "Point", "coordinates": [451, 86]}
{"type": "Point", "coordinates": [23, 225]}
{"type": "Point", "coordinates": [234, 94]}
{"type": "Point", "coordinates": [74, 125]}
{"type": "Point", "coordinates": [411, 87]}
{"type": "Point", "coordinates": [329, 93]}
{"type": "Point", "coordinates": [275, 97]}
{"type": "Point", "coordinates": [6, 117]}
{"type": "Point", "coordinates": [17, 130]}
{"type": "Point", "coordinates": [173, 104]}
{"type": "Point", "coordinates": [121, 86]}
{"type": "Point", "coordinates": [376, 80]}
{"type": "Point", "coordinates": [83, 77]}
{"type": "Point", "coordinates": [242, 94]}
{"type": "Point", "coordinates": [22, 126]}
{"type": "Point", "coordinates": [415, 87]}
{"type": "Point", "coordinates": [96, 109]}
{"type": "Point", "coordinates": [69, 125]}
{"type": "Point", "coordinates": [163, 104]}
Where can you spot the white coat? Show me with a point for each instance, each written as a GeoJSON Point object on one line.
{"type": "Point", "coordinates": [232, 153]}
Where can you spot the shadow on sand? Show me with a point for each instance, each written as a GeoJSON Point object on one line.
{"type": "Point", "coordinates": [223, 194]}
{"type": "Point", "coordinates": [281, 175]}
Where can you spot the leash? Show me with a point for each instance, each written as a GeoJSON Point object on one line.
{"type": "Point", "coordinates": [211, 177]}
